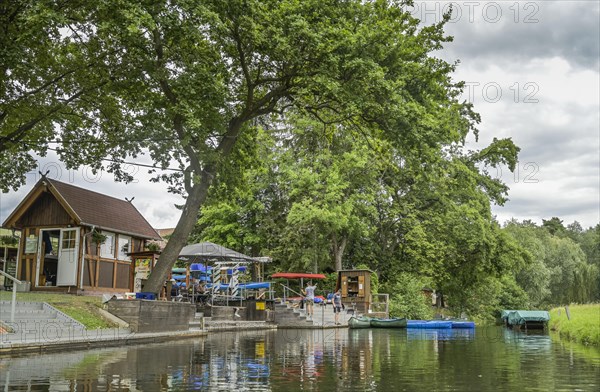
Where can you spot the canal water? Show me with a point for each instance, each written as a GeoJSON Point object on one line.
{"type": "Point", "coordinates": [485, 359]}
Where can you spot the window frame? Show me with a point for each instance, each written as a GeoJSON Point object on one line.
{"type": "Point", "coordinates": [123, 256]}
{"type": "Point", "coordinates": [110, 241]}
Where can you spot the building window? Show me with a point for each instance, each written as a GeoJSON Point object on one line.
{"type": "Point", "coordinates": [107, 249]}
{"type": "Point", "coordinates": [124, 247]}
{"type": "Point", "coordinates": [68, 240]}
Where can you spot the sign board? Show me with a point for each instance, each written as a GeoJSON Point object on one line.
{"type": "Point", "coordinates": [31, 244]}
{"type": "Point", "coordinates": [10, 267]}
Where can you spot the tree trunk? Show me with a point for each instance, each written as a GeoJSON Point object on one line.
{"type": "Point", "coordinates": [338, 251]}
{"type": "Point", "coordinates": [178, 240]}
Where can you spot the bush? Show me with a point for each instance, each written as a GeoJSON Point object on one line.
{"type": "Point", "coordinates": [407, 298]}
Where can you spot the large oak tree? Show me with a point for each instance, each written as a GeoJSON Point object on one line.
{"type": "Point", "coordinates": [182, 80]}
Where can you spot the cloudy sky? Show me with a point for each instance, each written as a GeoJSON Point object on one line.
{"type": "Point", "coordinates": [532, 72]}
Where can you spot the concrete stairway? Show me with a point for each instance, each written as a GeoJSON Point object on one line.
{"type": "Point", "coordinates": [37, 321]}
{"type": "Point", "coordinates": [198, 323]}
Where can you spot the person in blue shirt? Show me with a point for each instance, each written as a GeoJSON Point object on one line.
{"type": "Point", "coordinates": [337, 306]}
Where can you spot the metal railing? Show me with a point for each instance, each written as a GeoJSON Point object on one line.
{"type": "Point", "coordinates": [14, 294]}
{"type": "Point", "coordinates": [380, 303]}
{"type": "Point", "coordinates": [286, 290]}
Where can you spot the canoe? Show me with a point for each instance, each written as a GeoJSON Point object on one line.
{"type": "Point", "coordinates": [388, 323]}
{"type": "Point", "coordinates": [359, 322]}
{"type": "Point", "coordinates": [424, 324]}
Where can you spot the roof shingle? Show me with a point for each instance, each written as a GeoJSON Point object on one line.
{"type": "Point", "coordinates": [104, 211]}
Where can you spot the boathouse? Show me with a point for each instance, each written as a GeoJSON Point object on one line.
{"type": "Point", "coordinates": [76, 240]}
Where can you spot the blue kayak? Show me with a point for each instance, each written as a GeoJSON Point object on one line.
{"type": "Point", "coordinates": [425, 324]}
{"type": "Point", "coordinates": [462, 324]}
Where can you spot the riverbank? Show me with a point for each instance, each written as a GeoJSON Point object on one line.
{"type": "Point", "coordinates": [49, 340]}
{"type": "Point", "coordinates": [85, 309]}
{"type": "Point", "coordinates": [583, 326]}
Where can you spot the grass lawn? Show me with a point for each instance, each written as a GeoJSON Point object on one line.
{"type": "Point", "coordinates": [84, 309]}
{"type": "Point", "coordinates": [583, 327]}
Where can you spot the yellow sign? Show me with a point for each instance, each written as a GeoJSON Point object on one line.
{"type": "Point", "coordinates": [259, 348]}
{"type": "Point", "coordinates": [260, 306]}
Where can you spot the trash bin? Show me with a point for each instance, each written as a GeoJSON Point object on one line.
{"type": "Point", "coordinates": [256, 310]}
{"type": "Point", "coordinates": [149, 296]}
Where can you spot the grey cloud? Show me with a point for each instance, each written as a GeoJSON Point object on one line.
{"type": "Point", "coordinates": [566, 29]}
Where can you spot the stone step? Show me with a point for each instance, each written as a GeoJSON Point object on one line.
{"type": "Point", "coordinates": [41, 324]}
{"type": "Point", "coordinates": [68, 334]}
{"type": "Point", "coordinates": [6, 305]}
{"type": "Point", "coordinates": [28, 315]}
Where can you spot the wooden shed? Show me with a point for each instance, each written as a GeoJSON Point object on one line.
{"type": "Point", "coordinates": [356, 289]}
{"type": "Point", "coordinates": [74, 239]}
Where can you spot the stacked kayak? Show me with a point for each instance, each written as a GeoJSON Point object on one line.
{"type": "Point", "coordinates": [461, 324]}
{"type": "Point", "coordinates": [388, 323]}
{"type": "Point", "coordinates": [429, 324]}
{"type": "Point", "coordinates": [440, 324]}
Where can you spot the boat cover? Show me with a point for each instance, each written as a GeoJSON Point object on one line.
{"type": "Point", "coordinates": [504, 314]}
{"type": "Point", "coordinates": [521, 317]}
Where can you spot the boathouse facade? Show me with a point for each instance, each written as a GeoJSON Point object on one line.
{"type": "Point", "coordinates": [76, 240]}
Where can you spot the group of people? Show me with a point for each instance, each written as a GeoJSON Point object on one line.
{"type": "Point", "coordinates": [309, 300]}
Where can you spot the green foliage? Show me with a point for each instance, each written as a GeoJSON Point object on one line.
{"type": "Point", "coordinates": [153, 246]}
{"type": "Point", "coordinates": [328, 284]}
{"type": "Point", "coordinates": [325, 134]}
{"type": "Point", "coordinates": [583, 327]}
{"type": "Point", "coordinates": [554, 226]}
{"type": "Point", "coordinates": [557, 271]}
{"type": "Point", "coordinates": [98, 237]}
{"type": "Point", "coordinates": [9, 240]}
{"type": "Point", "coordinates": [407, 298]}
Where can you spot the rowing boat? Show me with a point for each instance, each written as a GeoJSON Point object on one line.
{"type": "Point", "coordinates": [388, 323]}
{"type": "Point", "coordinates": [359, 322]}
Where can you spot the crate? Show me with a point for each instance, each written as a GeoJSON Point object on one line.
{"type": "Point", "coordinates": [149, 296]}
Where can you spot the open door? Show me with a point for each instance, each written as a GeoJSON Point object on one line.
{"type": "Point", "coordinates": [67, 257]}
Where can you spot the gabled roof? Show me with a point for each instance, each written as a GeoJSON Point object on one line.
{"type": "Point", "coordinates": [89, 208]}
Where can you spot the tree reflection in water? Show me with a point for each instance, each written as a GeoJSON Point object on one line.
{"type": "Point", "coordinates": [332, 359]}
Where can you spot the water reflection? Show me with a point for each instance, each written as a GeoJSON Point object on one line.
{"type": "Point", "coordinates": [482, 359]}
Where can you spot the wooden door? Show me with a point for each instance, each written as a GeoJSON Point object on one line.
{"type": "Point", "coordinates": [68, 252]}
{"type": "Point", "coordinates": [361, 285]}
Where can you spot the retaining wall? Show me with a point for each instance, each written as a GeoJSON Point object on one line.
{"type": "Point", "coordinates": [153, 316]}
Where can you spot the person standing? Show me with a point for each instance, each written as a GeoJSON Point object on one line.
{"type": "Point", "coordinates": [309, 292]}
{"type": "Point", "coordinates": [337, 306]}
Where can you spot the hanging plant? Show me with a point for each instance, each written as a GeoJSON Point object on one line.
{"type": "Point", "coordinates": [98, 237]}
{"type": "Point", "coordinates": [9, 240]}
{"type": "Point", "coordinates": [153, 246]}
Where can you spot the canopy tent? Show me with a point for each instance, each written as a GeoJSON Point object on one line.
{"type": "Point", "coordinates": [207, 251]}
{"type": "Point", "coordinates": [200, 267]}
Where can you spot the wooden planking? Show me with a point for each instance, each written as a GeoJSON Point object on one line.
{"type": "Point", "coordinates": [122, 279]}
{"type": "Point", "coordinates": [105, 278]}
{"type": "Point", "coordinates": [45, 211]}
